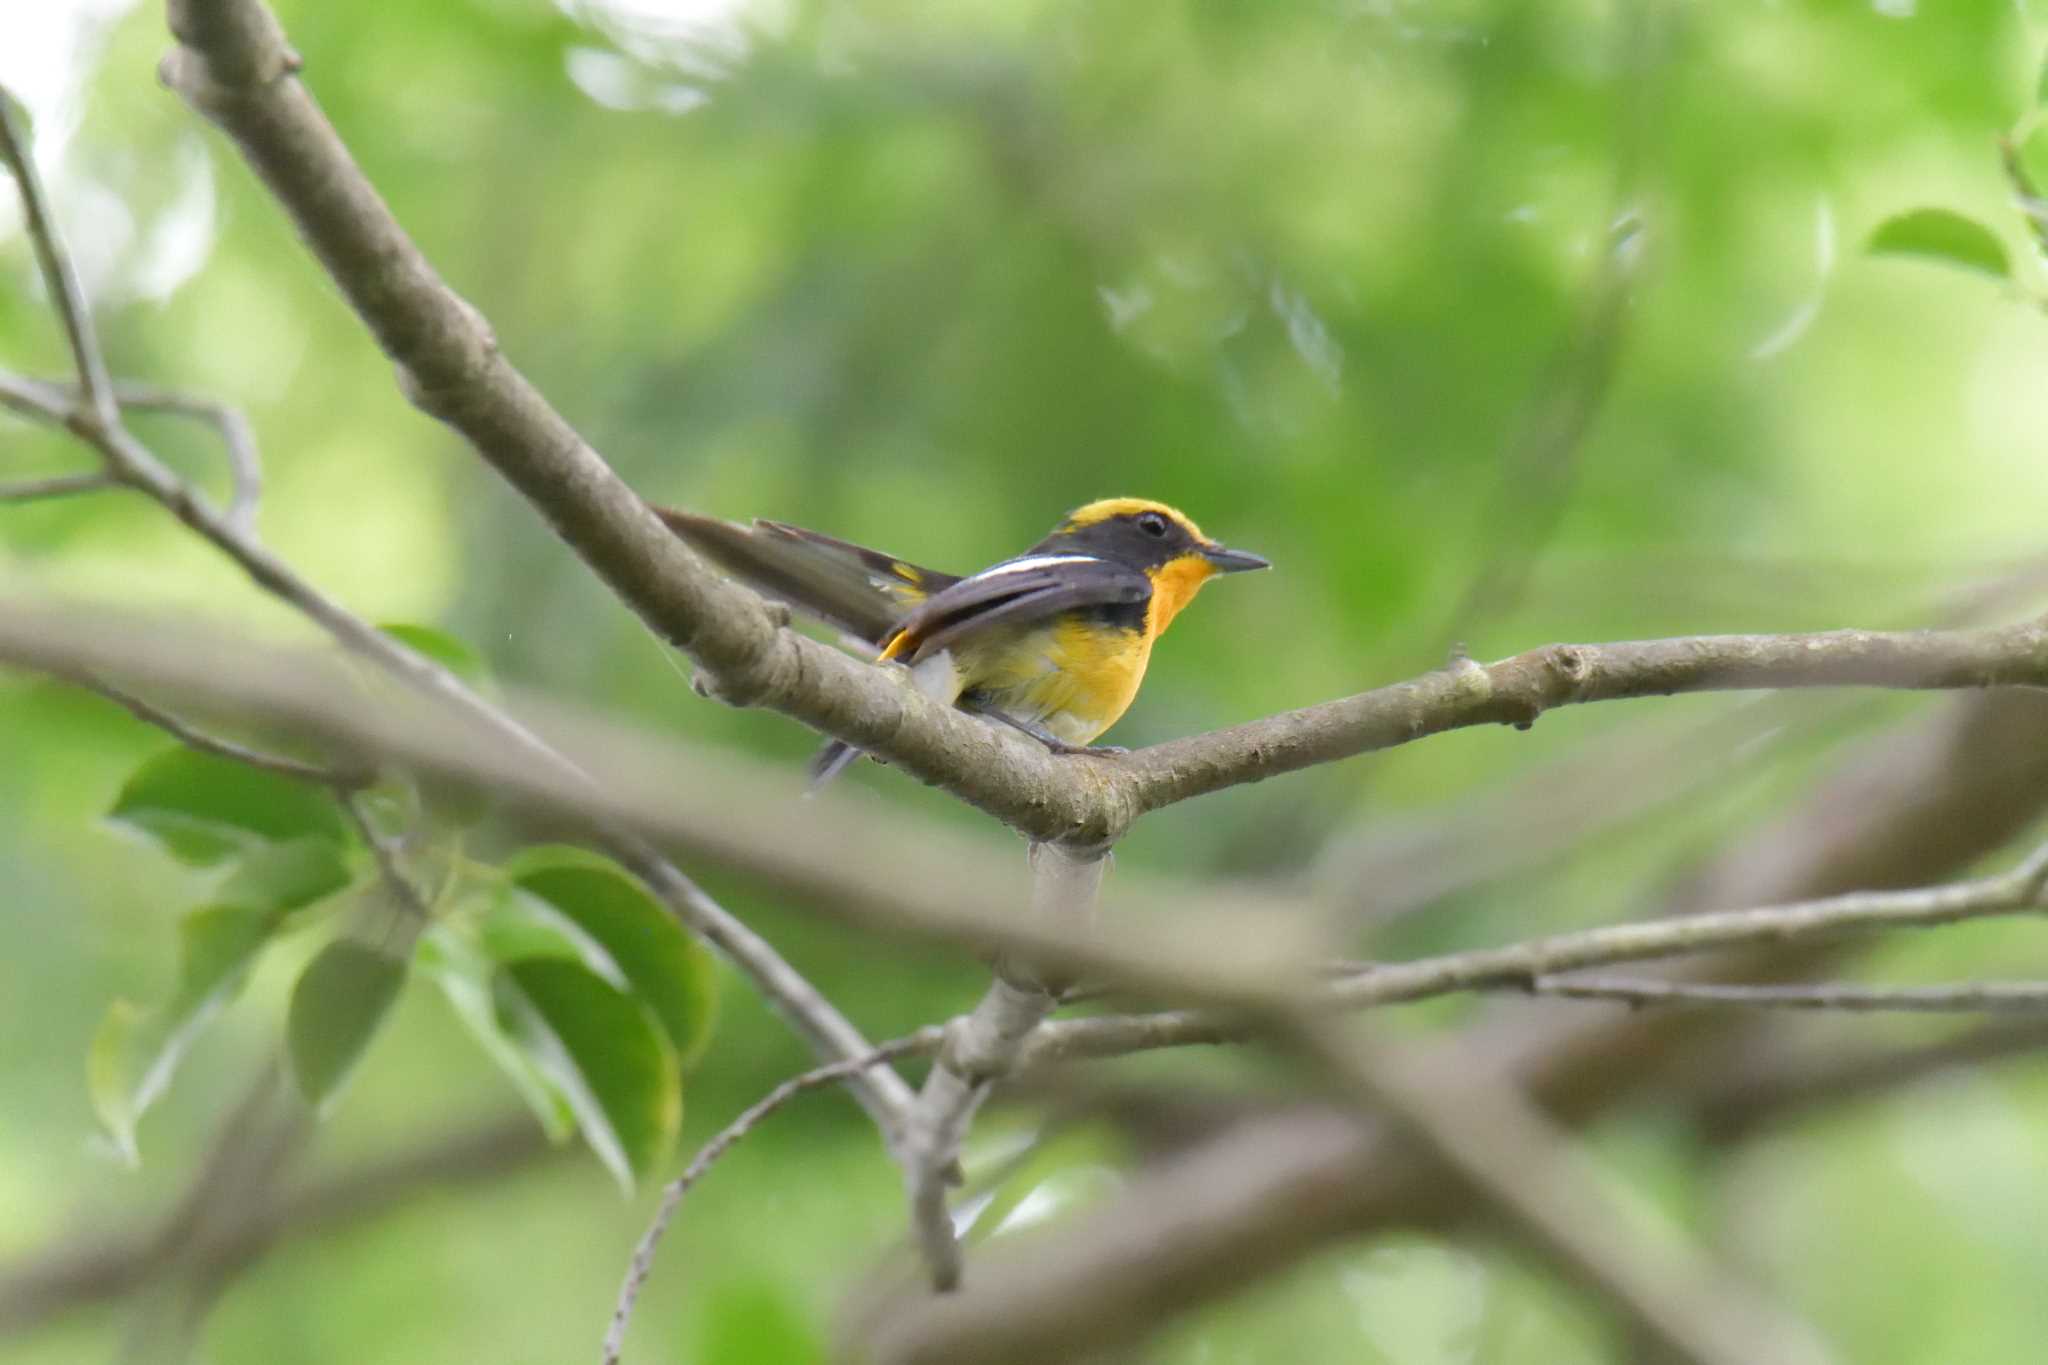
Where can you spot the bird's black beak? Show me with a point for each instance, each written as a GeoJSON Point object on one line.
{"type": "Point", "coordinates": [1234, 561]}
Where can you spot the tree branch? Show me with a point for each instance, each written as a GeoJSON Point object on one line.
{"type": "Point", "coordinates": [149, 713]}
{"type": "Point", "coordinates": [1906, 806]}
{"type": "Point", "coordinates": [93, 416]}
{"type": "Point", "coordinates": [1976, 997]}
{"type": "Point", "coordinates": [1516, 691]}
{"type": "Point", "coordinates": [922, 1041]}
{"type": "Point", "coordinates": [97, 391]}
{"type": "Point", "coordinates": [983, 1047]}
{"type": "Point", "coordinates": [57, 486]}
{"type": "Point", "coordinates": [1519, 966]}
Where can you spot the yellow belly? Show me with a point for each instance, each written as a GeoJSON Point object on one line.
{"type": "Point", "coordinates": [1069, 678]}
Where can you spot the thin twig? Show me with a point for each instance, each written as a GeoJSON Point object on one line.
{"type": "Point", "coordinates": [924, 1040]}
{"type": "Point", "coordinates": [69, 298]}
{"type": "Point", "coordinates": [386, 852]}
{"type": "Point", "coordinates": [49, 402]}
{"type": "Point", "coordinates": [1515, 966]}
{"type": "Point", "coordinates": [149, 713]}
{"type": "Point", "coordinates": [57, 486]}
{"type": "Point", "coordinates": [237, 438]}
{"type": "Point", "coordinates": [1977, 997]}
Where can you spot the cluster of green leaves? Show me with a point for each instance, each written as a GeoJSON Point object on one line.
{"type": "Point", "coordinates": [574, 979]}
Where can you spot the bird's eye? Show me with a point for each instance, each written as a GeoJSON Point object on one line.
{"type": "Point", "coordinates": [1152, 524]}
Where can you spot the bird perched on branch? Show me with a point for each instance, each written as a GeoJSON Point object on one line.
{"type": "Point", "coordinates": [1053, 642]}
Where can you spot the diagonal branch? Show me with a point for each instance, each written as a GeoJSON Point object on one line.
{"type": "Point", "coordinates": [69, 298]}
{"type": "Point", "coordinates": [93, 416]}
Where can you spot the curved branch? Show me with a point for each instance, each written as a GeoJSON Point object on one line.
{"type": "Point", "coordinates": [1517, 690]}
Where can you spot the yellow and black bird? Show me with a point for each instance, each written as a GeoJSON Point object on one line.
{"type": "Point", "coordinates": [1053, 642]}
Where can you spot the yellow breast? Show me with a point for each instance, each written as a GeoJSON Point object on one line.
{"type": "Point", "coordinates": [1072, 677]}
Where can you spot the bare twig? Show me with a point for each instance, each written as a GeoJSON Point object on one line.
{"type": "Point", "coordinates": [65, 293]}
{"type": "Point", "coordinates": [245, 466]}
{"type": "Point", "coordinates": [149, 713]}
{"type": "Point", "coordinates": [982, 1047]}
{"type": "Point", "coordinates": [910, 1045]}
{"type": "Point", "coordinates": [57, 486]}
{"type": "Point", "coordinates": [1978, 997]}
{"type": "Point", "coordinates": [1518, 965]}
{"type": "Point", "coordinates": [386, 852]}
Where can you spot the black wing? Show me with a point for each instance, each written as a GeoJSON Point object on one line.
{"type": "Point", "coordinates": [861, 591]}
{"type": "Point", "coordinates": [1020, 590]}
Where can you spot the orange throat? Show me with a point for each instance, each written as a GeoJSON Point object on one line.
{"type": "Point", "coordinates": [1174, 585]}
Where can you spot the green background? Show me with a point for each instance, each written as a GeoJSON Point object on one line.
{"type": "Point", "coordinates": [1335, 278]}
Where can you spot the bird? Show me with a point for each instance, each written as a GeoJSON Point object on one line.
{"type": "Point", "coordinates": [1053, 642]}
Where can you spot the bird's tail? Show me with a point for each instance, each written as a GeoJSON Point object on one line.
{"type": "Point", "coordinates": [831, 761]}
{"type": "Point", "coordinates": [937, 676]}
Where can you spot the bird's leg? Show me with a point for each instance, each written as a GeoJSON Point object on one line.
{"type": "Point", "coordinates": [1043, 735]}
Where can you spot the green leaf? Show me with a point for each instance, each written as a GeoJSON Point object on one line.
{"type": "Point", "coordinates": [451, 652]}
{"type": "Point", "coordinates": [1940, 235]}
{"type": "Point", "coordinates": [464, 976]}
{"type": "Point", "coordinates": [287, 876]}
{"type": "Point", "coordinates": [660, 963]}
{"type": "Point", "coordinates": [109, 1067]}
{"type": "Point", "coordinates": [337, 1006]}
{"type": "Point", "coordinates": [605, 1052]}
{"type": "Point", "coordinates": [204, 809]}
{"type": "Point", "coordinates": [135, 1053]}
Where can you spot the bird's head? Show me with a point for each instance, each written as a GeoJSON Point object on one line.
{"type": "Point", "coordinates": [1154, 537]}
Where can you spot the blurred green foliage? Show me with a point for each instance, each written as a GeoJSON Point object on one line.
{"type": "Point", "coordinates": [1325, 275]}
